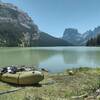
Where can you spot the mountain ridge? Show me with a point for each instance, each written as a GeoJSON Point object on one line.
{"type": "Point", "coordinates": [73, 36]}
{"type": "Point", "coordinates": [16, 27]}
{"type": "Point", "coordinates": [46, 39]}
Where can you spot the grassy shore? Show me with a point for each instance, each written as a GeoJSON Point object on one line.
{"type": "Point", "coordinates": [81, 84]}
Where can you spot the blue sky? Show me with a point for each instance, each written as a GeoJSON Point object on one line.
{"type": "Point", "coordinates": [53, 16]}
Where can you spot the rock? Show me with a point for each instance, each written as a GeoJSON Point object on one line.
{"type": "Point", "coordinates": [90, 98]}
{"type": "Point", "coordinates": [70, 72]}
{"type": "Point", "coordinates": [98, 91]}
{"type": "Point", "coordinates": [98, 97]}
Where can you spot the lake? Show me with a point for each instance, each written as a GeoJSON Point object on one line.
{"type": "Point", "coordinates": [55, 59]}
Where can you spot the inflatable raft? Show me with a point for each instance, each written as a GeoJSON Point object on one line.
{"type": "Point", "coordinates": [23, 78]}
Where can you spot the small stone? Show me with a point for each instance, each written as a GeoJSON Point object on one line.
{"type": "Point", "coordinates": [70, 72]}
{"type": "Point", "coordinates": [98, 91]}
{"type": "Point", "coordinates": [90, 98]}
{"type": "Point", "coordinates": [98, 97]}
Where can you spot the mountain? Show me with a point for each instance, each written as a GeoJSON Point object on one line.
{"type": "Point", "coordinates": [74, 37]}
{"type": "Point", "coordinates": [16, 27]}
{"type": "Point", "coordinates": [48, 40]}
{"type": "Point", "coordinates": [91, 34]}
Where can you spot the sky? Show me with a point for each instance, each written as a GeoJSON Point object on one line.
{"type": "Point", "coordinates": [53, 16]}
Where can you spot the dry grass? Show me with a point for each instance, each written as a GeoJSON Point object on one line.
{"type": "Point", "coordinates": [60, 86]}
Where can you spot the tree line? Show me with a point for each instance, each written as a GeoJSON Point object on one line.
{"type": "Point", "coordinates": [94, 41]}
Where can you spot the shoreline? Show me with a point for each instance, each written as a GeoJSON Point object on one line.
{"type": "Point", "coordinates": [81, 83]}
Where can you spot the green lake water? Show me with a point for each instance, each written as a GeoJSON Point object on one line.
{"type": "Point", "coordinates": [55, 59]}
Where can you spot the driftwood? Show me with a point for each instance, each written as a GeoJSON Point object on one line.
{"type": "Point", "coordinates": [79, 97]}
{"type": "Point", "coordinates": [9, 91]}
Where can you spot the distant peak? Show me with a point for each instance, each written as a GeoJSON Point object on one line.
{"type": "Point", "coordinates": [71, 31]}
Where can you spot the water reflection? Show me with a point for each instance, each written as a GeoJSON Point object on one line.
{"type": "Point", "coordinates": [52, 58]}
{"type": "Point", "coordinates": [70, 57]}
{"type": "Point", "coordinates": [27, 56]}
{"type": "Point", "coordinates": [82, 56]}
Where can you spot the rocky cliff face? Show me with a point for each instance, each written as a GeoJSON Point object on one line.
{"type": "Point", "coordinates": [91, 34]}
{"type": "Point", "coordinates": [74, 37]}
{"type": "Point", "coordinates": [16, 27]}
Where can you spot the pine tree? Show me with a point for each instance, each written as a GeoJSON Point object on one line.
{"type": "Point", "coordinates": [98, 40]}
{"type": "Point", "coordinates": [94, 41]}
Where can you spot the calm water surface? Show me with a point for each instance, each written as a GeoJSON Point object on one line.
{"type": "Point", "coordinates": [55, 59]}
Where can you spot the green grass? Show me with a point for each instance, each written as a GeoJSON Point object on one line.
{"type": "Point", "coordinates": [58, 85]}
